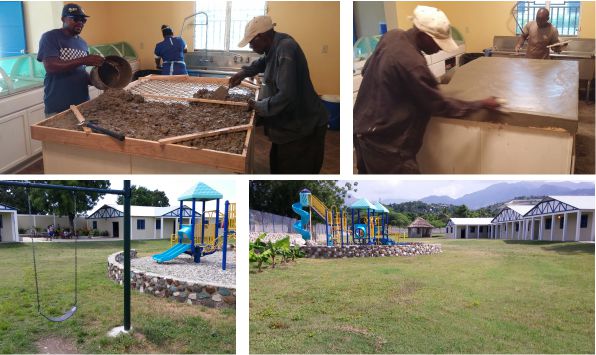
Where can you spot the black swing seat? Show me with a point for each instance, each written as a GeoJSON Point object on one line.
{"type": "Point", "coordinates": [63, 317]}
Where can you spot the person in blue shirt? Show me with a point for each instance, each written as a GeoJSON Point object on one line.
{"type": "Point", "coordinates": [171, 50]}
{"type": "Point", "coordinates": [64, 55]}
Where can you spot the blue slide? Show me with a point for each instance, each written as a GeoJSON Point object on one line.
{"type": "Point", "coordinates": [171, 253]}
{"type": "Point", "coordinates": [297, 207]}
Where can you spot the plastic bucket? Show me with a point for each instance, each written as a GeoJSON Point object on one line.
{"type": "Point", "coordinates": [114, 73]}
{"type": "Point", "coordinates": [331, 103]}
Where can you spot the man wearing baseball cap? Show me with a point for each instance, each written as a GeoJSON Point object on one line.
{"type": "Point", "coordinates": [293, 115]}
{"type": "Point", "coordinates": [399, 94]}
{"type": "Point", "coordinates": [64, 55]}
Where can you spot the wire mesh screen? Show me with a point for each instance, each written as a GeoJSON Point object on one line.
{"type": "Point", "coordinates": [182, 89]}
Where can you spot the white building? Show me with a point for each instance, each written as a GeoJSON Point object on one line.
{"type": "Point", "coordinates": [554, 218]}
{"type": "Point", "coordinates": [469, 228]}
{"type": "Point", "coordinates": [9, 228]}
{"type": "Point", "coordinates": [564, 218]}
{"type": "Point", "coordinates": [509, 222]}
{"type": "Point", "coordinates": [145, 222]}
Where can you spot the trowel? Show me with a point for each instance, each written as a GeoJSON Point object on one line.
{"type": "Point", "coordinates": [221, 93]}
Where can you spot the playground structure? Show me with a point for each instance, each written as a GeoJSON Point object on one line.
{"type": "Point", "coordinates": [369, 229]}
{"type": "Point", "coordinates": [203, 238]}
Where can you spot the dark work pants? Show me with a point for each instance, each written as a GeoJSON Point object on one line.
{"type": "Point", "coordinates": [302, 156]}
{"type": "Point", "coordinates": [371, 161]}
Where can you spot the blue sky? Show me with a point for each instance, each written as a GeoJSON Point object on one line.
{"type": "Point", "coordinates": [174, 186]}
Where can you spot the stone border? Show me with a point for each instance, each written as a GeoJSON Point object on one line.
{"type": "Point", "coordinates": [169, 287]}
{"type": "Point", "coordinates": [367, 251]}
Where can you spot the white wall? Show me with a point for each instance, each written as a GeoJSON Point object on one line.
{"type": "Point", "coordinates": [40, 17]}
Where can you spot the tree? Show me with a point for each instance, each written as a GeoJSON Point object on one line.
{"type": "Point", "coordinates": [461, 211]}
{"type": "Point", "coordinates": [64, 202]}
{"type": "Point", "coordinates": [141, 196]}
{"type": "Point", "coordinates": [278, 196]}
{"type": "Point", "coordinates": [16, 196]}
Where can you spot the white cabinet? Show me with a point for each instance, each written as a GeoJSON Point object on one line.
{"type": "Point", "coordinates": [17, 113]}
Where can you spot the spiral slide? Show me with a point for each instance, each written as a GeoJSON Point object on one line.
{"type": "Point", "coordinates": [304, 217]}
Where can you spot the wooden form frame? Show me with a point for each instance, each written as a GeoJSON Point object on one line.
{"type": "Point", "coordinates": [211, 160]}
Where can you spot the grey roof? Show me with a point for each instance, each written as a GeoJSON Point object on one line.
{"type": "Point", "coordinates": [141, 211]}
{"type": "Point", "coordinates": [471, 221]}
{"type": "Point", "coordinates": [420, 222]}
{"type": "Point", "coordinates": [4, 207]}
{"type": "Point", "coordinates": [579, 202]}
{"type": "Point", "coordinates": [521, 209]}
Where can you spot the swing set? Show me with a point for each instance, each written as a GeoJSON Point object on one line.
{"type": "Point", "coordinates": [126, 193]}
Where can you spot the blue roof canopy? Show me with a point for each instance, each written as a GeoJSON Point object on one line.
{"type": "Point", "coordinates": [362, 204]}
{"type": "Point", "coordinates": [380, 208]}
{"type": "Point", "coordinates": [200, 192]}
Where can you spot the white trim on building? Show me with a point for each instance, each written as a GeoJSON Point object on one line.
{"type": "Point", "coordinates": [9, 228]}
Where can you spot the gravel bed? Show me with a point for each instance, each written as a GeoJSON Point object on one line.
{"type": "Point", "coordinates": [183, 267]}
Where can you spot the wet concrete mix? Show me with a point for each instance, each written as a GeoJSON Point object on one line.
{"type": "Point", "coordinates": [130, 114]}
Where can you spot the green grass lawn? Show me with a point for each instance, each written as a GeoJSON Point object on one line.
{"type": "Point", "coordinates": [159, 325]}
{"type": "Point", "coordinates": [478, 296]}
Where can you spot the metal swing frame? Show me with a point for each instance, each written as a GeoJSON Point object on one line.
{"type": "Point", "coordinates": [74, 308]}
{"type": "Point", "coordinates": [126, 193]}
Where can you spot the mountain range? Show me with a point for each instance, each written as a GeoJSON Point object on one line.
{"type": "Point", "coordinates": [504, 192]}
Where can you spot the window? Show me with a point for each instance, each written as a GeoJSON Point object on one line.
{"type": "Point", "coordinates": [12, 29]}
{"type": "Point", "coordinates": [94, 224]}
{"type": "Point", "coordinates": [472, 229]}
{"type": "Point", "coordinates": [561, 222]}
{"type": "Point", "coordinates": [140, 224]}
{"type": "Point", "coordinates": [1, 222]}
{"type": "Point", "coordinates": [564, 15]}
{"type": "Point", "coordinates": [225, 23]}
{"type": "Point", "coordinates": [517, 226]}
{"type": "Point", "coordinates": [547, 223]}
{"type": "Point", "coordinates": [158, 224]}
{"type": "Point", "coordinates": [480, 229]}
{"type": "Point", "coordinates": [584, 221]}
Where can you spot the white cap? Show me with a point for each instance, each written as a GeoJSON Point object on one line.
{"type": "Point", "coordinates": [257, 25]}
{"type": "Point", "coordinates": [434, 23]}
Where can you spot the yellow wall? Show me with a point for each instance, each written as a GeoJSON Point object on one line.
{"type": "Point", "coordinates": [313, 25]}
{"type": "Point", "coordinates": [480, 21]}
{"type": "Point", "coordinates": [138, 23]}
{"type": "Point", "coordinates": [586, 20]}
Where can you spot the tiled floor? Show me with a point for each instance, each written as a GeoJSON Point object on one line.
{"type": "Point", "coordinates": [330, 162]}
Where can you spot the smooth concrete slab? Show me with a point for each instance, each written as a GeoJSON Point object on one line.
{"type": "Point", "coordinates": [539, 93]}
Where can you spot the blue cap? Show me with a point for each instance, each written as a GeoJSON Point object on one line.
{"type": "Point", "coordinates": [73, 10]}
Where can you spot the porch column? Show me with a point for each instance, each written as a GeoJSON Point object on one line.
{"type": "Point", "coordinates": [540, 231]}
{"type": "Point", "coordinates": [565, 225]}
{"type": "Point", "coordinates": [161, 231]}
{"type": "Point", "coordinates": [578, 225]}
{"type": "Point", "coordinates": [467, 231]}
{"type": "Point", "coordinates": [552, 226]}
{"type": "Point", "coordinates": [591, 227]}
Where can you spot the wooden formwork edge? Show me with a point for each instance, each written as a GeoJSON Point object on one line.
{"type": "Point", "coordinates": [204, 134]}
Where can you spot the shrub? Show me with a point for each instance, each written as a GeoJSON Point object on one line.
{"type": "Point", "coordinates": [105, 233]}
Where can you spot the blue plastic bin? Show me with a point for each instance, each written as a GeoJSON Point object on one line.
{"type": "Point", "coordinates": [331, 103]}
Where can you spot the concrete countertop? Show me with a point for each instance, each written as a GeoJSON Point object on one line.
{"type": "Point", "coordinates": [539, 93]}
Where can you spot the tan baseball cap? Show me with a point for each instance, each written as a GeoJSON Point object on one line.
{"type": "Point", "coordinates": [434, 23]}
{"type": "Point", "coordinates": [257, 25]}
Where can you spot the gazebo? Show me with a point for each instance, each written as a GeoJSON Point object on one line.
{"type": "Point", "coordinates": [420, 228]}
